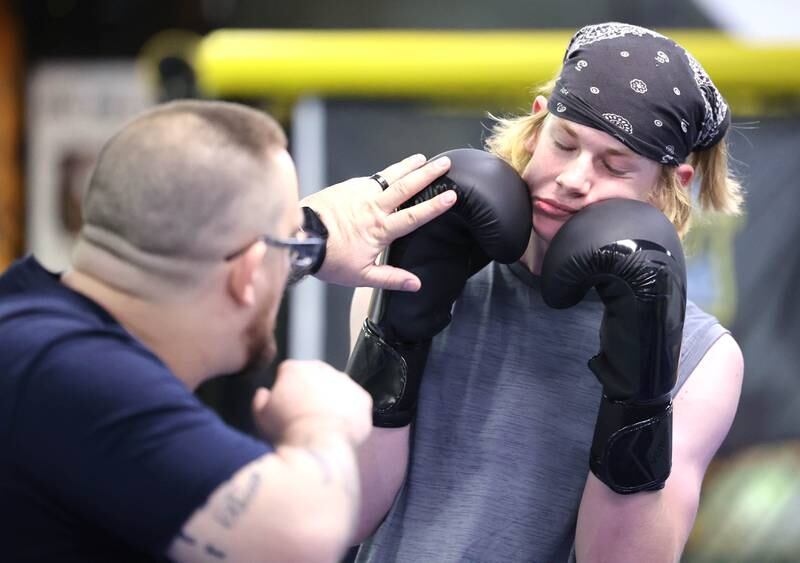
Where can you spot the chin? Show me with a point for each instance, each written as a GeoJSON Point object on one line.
{"type": "Point", "coordinates": [546, 227]}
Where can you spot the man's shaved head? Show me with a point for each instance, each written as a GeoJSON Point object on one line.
{"type": "Point", "coordinates": [182, 184]}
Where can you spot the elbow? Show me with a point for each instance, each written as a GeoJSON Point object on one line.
{"type": "Point", "coordinates": [313, 527]}
{"type": "Point", "coordinates": [375, 506]}
{"type": "Point", "coordinates": [315, 538]}
{"type": "Point", "coordinates": [364, 530]}
{"type": "Point", "coordinates": [321, 540]}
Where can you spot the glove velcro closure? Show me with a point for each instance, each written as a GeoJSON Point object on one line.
{"type": "Point", "coordinates": [632, 446]}
{"type": "Point", "coordinates": [390, 373]}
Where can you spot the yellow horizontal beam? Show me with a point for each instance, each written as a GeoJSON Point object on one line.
{"type": "Point", "coordinates": [452, 64]}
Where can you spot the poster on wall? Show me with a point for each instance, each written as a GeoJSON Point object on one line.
{"type": "Point", "coordinates": [72, 109]}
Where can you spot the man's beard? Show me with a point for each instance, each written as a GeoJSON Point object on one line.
{"type": "Point", "coordinates": [261, 344]}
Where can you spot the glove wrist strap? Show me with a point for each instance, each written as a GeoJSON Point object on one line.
{"type": "Point", "coordinates": [632, 446]}
{"type": "Point", "coordinates": [390, 373]}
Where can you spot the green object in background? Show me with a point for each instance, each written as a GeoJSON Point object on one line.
{"type": "Point", "coordinates": [750, 508]}
{"type": "Point", "coordinates": [710, 263]}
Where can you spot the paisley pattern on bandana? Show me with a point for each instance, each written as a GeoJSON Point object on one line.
{"type": "Point", "coordinates": [642, 88]}
{"type": "Point", "coordinates": [619, 122]}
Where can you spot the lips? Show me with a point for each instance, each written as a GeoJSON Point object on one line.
{"type": "Point", "coordinates": [553, 208]}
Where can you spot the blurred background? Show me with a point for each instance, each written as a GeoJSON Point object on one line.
{"type": "Point", "coordinates": [71, 72]}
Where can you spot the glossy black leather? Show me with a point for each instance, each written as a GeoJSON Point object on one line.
{"type": "Point", "coordinates": [630, 253]}
{"type": "Point", "coordinates": [390, 373]}
{"type": "Point", "coordinates": [490, 221]}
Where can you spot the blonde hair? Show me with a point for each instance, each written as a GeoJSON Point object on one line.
{"type": "Point", "coordinates": [719, 190]}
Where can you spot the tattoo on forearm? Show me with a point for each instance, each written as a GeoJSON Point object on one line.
{"type": "Point", "coordinates": [183, 536]}
{"type": "Point", "coordinates": [330, 471]}
{"type": "Point", "coordinates": [235, 502]}
{"type": "Point", "coordinates": [209, 549]}
{"type": "Point", "coordinates": [214, 552]}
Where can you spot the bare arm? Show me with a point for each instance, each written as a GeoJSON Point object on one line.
{"type": "Point", "coordinates": [299, 503]}
{"type": "Point", "coordinates": [383, 456]}
{"type": "Point", "coordinates": [654, 526]}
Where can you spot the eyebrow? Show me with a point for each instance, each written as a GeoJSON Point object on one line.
{"type": "Point", "coordinates": [609, 151]}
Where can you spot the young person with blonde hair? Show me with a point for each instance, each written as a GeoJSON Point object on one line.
{"type": "Point", "coordinates": [510, 447]}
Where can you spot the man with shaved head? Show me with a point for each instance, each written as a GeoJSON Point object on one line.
{"type": "Point", "coordinates": [191, 231]}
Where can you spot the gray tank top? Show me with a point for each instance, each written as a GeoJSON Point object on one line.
{"type": "Point", "coordinates": [500, 445]}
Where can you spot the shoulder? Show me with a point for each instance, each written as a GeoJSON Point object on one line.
{"type": "Point", "coordinates": [714, 363]}
{"type": "Point", "coordinates": [39, 320]}
{"type": "Point", "coordinates": [99, 365]}
{"type": "Point", "coordinates": [56, 343]}
{"type": "Point", "coordinates": [718, 375]}
{"type": "Point", "coordinates": [83, 369]}
{"type": "Point", "coordinates": [706, 405]}
{"type": "Point", "coordinates": [698, 322]}
{"type": "Point", "coordinates": [701, 331]}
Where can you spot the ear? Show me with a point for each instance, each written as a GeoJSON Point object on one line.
{"type": "Point", "coordinates": [685, 173]}
{"type": "Point", "coordinates": [539, 105]}
{"type": "Point", "coordinates": [244, 270]}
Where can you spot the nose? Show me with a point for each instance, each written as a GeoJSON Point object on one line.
{"type": "Point", "coordinates": [576, 177]}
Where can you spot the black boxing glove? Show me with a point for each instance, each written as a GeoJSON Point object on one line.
{"type": "Point", "coordinates": [629, 251]}
{"type": "Point", "coordinates": [491, 220]}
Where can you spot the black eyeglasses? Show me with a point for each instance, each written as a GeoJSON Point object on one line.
{"type": "Point", "coordinates": [305, 253]}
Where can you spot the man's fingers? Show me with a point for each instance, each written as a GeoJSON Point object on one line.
{"type": "Point", "coordinates": [400, 223]}
{"type": "Point", "coordinates": [395, 171]}
{"type": "Point", "coordinates": [389, 277]}
{"type": "Point", "coordinates": [406, 187]}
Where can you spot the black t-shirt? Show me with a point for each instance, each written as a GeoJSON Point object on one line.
{"type": "Point", "coordinates": [104, 453]}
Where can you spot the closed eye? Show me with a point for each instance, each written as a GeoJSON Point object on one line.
{"type": "Point", "coordinates": [563, 147]}
{"type": "Point", "coordinates": [613, 170]}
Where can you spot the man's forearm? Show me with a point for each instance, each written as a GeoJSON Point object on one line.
{"type": "Point", "coordinates": [299, 503]}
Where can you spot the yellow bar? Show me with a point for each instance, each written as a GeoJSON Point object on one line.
{"type": "Point", "coordinates": [450, 64]}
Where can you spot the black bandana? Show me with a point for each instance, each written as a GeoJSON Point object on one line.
{"type": "Point", "coordinates": [643, 89]}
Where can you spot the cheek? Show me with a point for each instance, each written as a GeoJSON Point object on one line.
{"type": "Point", "coordinates": [641, 191]}
{"type": "Point", "coordinates": [533, 174]}
{"type": "Point", "coordinates": [639, 188]}
{"type": "Point", "coordinates": [646, 187]}
{"type": "Point", "coordinates": [624, 191]}
{"type": "Point", "coordinates": [527, 173]}
{"type": "Point", "coordinates": [538, 171]}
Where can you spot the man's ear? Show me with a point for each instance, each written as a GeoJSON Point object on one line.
{"type": "Point", "coordinates": [685, 173]}
{"type": "Point", "coordinates": [244, 270]}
